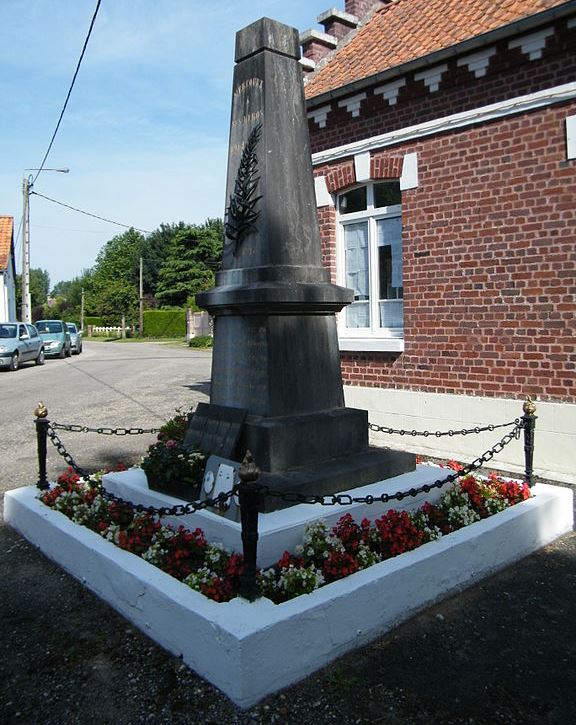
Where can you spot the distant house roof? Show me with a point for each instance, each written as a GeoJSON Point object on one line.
{"type": "Point", "coordinates": [6, 236]}
{"type": "Point", "coordinates": [405, 30]}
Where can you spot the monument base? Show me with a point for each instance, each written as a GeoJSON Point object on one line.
{"type": "Point", "coordinates": [312, 453]}
{"type": "Point", "coordinates": [336, 475]}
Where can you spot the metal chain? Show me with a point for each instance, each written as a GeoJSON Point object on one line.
{"type": "Point", "coordinates": [346, 499]}
{"type": "Point", "coordinates": [55, 440]}
{"type": "Point", "coordinates": [177, 510]}
{"type": "Point", "coordinates": [103, 430]}
{"type": "Point", "coordinates": [291, 496]}
{"type": "Point", "coordinates": [439, 433]}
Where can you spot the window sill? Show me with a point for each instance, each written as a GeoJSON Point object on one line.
{"type": "Point", "coordinates": [371, 344]}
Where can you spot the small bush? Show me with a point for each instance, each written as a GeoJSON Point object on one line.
{"type": "Point", "coordinates": [201, 341]}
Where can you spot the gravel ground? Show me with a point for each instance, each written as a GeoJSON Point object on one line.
{"type": "Point", "coordinates": [503, 651]}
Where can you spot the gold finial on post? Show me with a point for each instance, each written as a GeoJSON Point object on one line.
{"type": "Point", "coordinates": [41, 410]}
{"type": "Point", "coordinates": [529, 408]}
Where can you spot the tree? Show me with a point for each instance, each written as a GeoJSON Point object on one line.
{"type": "Point", "coordinates": [121, 300]}
{"type": "Point", "coordinates": [39, 286]}
{"type": "Point", "coordinates": [193, 257]}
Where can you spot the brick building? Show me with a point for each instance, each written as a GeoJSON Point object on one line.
{"type": "Point", "coordinates": [7, 270]}
{"type": "Point", "coordinates": [443, 137]}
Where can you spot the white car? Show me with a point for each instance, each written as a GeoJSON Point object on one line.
{"type": "Point", "coordinates": [19, 342]}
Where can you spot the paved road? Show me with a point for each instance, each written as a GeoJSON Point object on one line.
{"type": "Point", "coordinates": [109, 384]}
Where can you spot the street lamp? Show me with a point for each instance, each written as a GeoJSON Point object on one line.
{"type": "Point", "coordinates": [27, 184]}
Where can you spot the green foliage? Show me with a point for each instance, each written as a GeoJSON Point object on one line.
{"type": "Point", "coordinates": [164, 323]}
{"type": "Point", "coordinates": [201, 341]}
{"type": "Point", "coordinates": [120, 299]}
{"type": "Point", "coordinates": [93, 320]}
{"type": "Point", "coordinates": [39, 286]}
{"type": "Point", "coordinates": [193, 257]}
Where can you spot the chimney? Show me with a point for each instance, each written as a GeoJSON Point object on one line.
{"type": "Point", "coordinates": [315, 45]}
{"type": "Point", "coordinates": [361, 8]}
{"type": "Point", "coordinates": [337, 23]}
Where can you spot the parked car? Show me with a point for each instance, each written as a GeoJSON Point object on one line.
{"type": "Point", "coordinates": [19, 342]}
{"type": "Point", "coordinates": [75, 338]}
{"type": "Point", "coordinates": [56, 338]}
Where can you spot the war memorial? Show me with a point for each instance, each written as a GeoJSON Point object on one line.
{"type": "Point", "coordinates": [276, 394]}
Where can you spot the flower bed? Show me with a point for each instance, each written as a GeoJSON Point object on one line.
{"type": "Point", "coordinates": [324, 556]}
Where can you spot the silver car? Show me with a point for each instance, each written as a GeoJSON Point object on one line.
{"type": "Point", "coordinates": [19, 342]}
{"type": "Point", "coordinates": [75, 338]}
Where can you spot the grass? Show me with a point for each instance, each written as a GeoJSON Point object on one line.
{"type": "Point", "coordinates": [172, 341]}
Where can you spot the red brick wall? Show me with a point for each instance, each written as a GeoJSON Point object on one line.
{"type": "Point", "coordinates": [489, 262]}
{"type": "Point", "coordinates": [509, 74]}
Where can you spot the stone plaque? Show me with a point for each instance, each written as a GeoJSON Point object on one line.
{"type": "Point", "coordinates": [215, 429]}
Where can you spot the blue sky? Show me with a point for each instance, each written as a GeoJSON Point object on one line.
{"type": "Point", "coordinates": [145, 134]}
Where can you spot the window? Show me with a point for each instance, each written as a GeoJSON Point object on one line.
{"type": "Point", "coordinates": [370, 261]}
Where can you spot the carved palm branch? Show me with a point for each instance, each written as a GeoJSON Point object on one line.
{"type": "Point", "coordinates": [241, 214]}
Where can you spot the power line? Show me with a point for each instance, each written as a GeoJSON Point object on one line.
{"type": "Point", "coordinates": [87, 213]}
{"type": "Point", "coordinates": [69, 91]}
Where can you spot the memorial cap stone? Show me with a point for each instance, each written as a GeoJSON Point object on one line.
{"type": "Point", "coordinates": [267, 34]}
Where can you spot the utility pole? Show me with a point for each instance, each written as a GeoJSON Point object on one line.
{"type": "Point", "coordinates": [27, 184]}
{"type": "Point", "coordinates": [26, 311]}
{"type": "Point", "coordinates": [141, 327]}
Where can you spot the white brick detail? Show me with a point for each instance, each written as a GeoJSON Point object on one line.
{"type": "Point", "coordinates": [318, 115]}
{"type": "Point", "coordinates": [352, 104]}
{"type": "Point", "coordinates": [316, 35]}
{"type": "Point", "coordinates": [571, 137]}
{"type": "Point", "coordinates": [532, 45]}
{"type": "Point", "coordinates": [409, 178]}
{"type": "Point", "coordinates": [390, 91]}
{"type": "Point", "coordinates": [432, 77]}
{"type": "Point", "coordinates": [323, 196]}
{"type": "Point", "coordinates": [362, 166]}
{"type": "Point", "coordinates": [477, 63]}
{"type": "Point", "coordinates": [307, 63]}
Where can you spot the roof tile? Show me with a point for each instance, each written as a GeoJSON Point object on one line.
{"type": "Point", "coordinates": [405, 30]}
{"type": "Point", "coordinates": [6, 229]}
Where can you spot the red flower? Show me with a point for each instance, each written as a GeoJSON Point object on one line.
{"type": "Point", "coordinates": [398, 533]}
{"type": "Point", "coordinates": [339, 565]}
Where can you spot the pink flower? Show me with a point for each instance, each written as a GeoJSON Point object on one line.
{"type": "Point", "coordinates": [171, 444]}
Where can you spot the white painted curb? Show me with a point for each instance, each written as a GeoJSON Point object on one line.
{"type": "Point", "coordinates": [251, 650]}
{"type": "Point", "coordinates": [282, 530]}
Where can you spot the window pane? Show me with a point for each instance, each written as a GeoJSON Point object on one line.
{"type": "Point", "coordinates": [391, 313]}
{"type": "Point", "coordinates": [390, 258]}
{"type": "Point", "coordinates": [352, 201]}
{"type": "Point", "coordinates": [387, 193]}
{"type": "Point", "coordinates": [357, 275]}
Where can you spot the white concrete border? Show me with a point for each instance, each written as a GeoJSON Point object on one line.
{"type": "Point", "coordinates": [251, 650]}
{"type": "Point", "coordinates": [280, 530]}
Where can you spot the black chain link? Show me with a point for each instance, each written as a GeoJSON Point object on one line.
{"type": "Point", "coordinates": [342, 499]}
{"type": "Point", "coordinates": [55, 440]}
{"type": "Point", "coordinates": [181, 509]}
{"type": "Point", "coordinates": [439, 434]}
{"type": "Point", "coordinates": [178, 510]}
{"type": "Point", "coordinates": [72, 428]}
{"type": "Point", "coordinates": [346, 499]}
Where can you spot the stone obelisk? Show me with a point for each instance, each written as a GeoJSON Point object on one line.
{"type": "Point", "coordinates": [276, 364]}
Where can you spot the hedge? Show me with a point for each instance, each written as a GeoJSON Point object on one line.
{"type": "Point", "coordinates": [97, 321]}
{"type": "Point", "coordinates": [164, 323]}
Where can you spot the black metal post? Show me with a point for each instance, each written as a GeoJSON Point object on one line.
{"type": "Point", "coordinates": [42, 424]}
{"type": "Point", "coordinates": [529, 425]}
{"type": "Point", "coordinates": [249, 496]}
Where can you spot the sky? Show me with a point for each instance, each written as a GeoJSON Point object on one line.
{"type": "Point", "coordinates": [145, 133]}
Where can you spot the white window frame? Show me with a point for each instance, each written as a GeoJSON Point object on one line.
{"type": "Point", "coordinates": [374, 338]}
